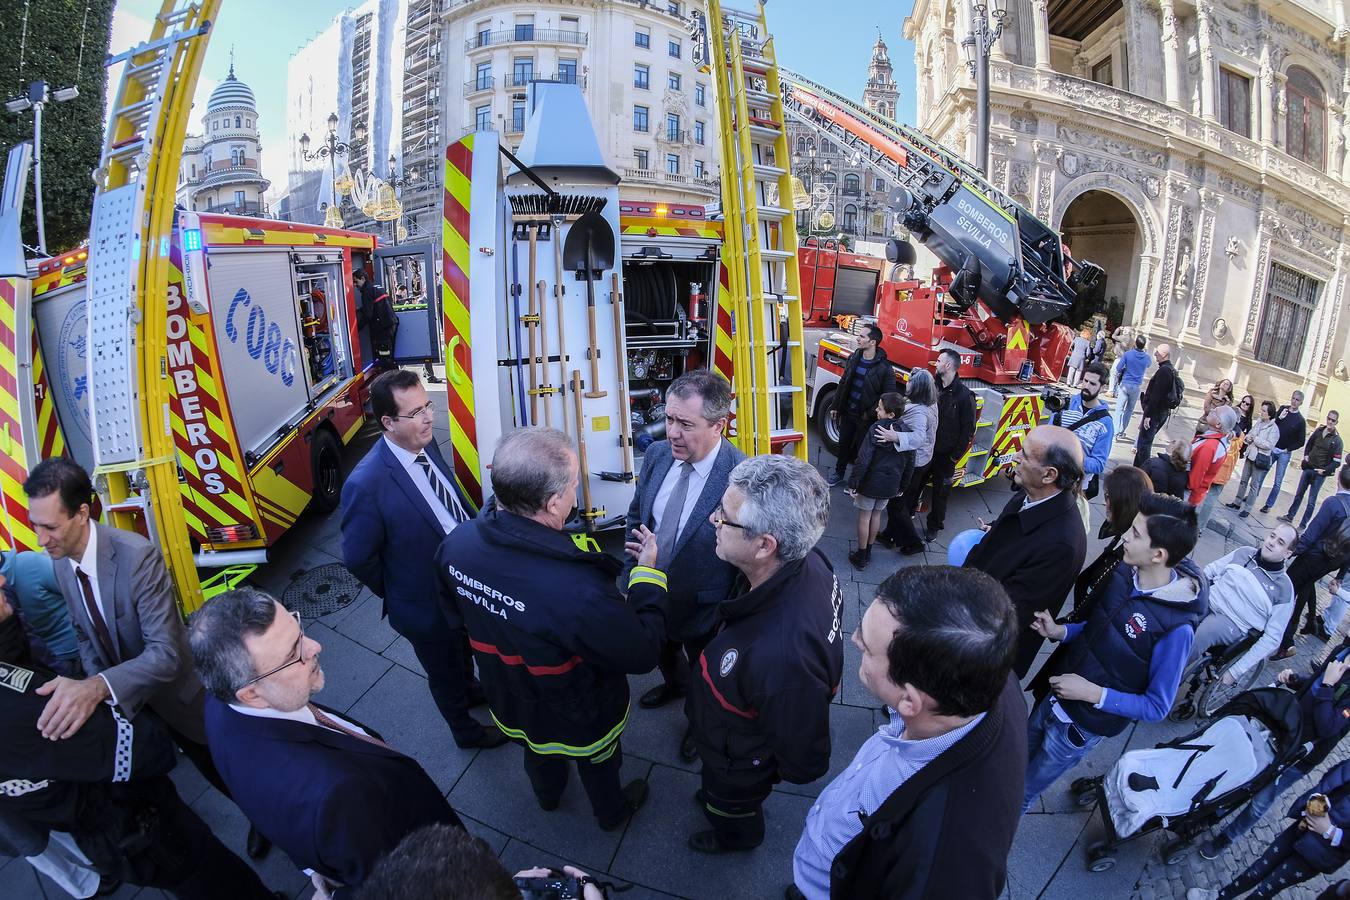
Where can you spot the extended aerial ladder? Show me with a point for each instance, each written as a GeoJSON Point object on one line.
{"type": "Point", "coordinates": [1000, 252]}
{"type": "Point", "coordinates": [135, 463]}
{"type": "Point", "coordinates": [761, 235]}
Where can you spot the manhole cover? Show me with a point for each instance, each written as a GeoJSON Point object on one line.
{"type": "Point", "coordinates": [320, 591]}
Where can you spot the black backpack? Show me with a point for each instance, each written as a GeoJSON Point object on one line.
{"type": "Point", "coordinates": [1336, 545]}
{"type": "Point", "coordinates": [1178, 391]}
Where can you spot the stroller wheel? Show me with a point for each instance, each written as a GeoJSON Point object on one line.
{"type": "Point", "coordinates": [1084, 785]}
{"type": "Point", "coordinates": [1174, 852]}
{"type": "Point", "coordinates": [1183, 711]}
{"type": "Point", "coordinates": [1100, 858]}
{"type": "Point", "coordinates": [1085, 799]}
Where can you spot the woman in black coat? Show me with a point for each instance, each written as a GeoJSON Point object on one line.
{"type": "Point", "coordinates": [1170, 471]}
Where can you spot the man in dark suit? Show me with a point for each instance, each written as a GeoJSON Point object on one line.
{"type": "Point", "coordinates": [681, 483]}
{"type": "Point", "coordinates": [329, 791]}
{"type": "Point", "coordinates": [398, 504]}
{"type": "Point", "coordinates": [1035, 547]}
{"type": "Point", "coordinates": [132, 642]}
{"type": "Point", "coordinates": [107, 787]}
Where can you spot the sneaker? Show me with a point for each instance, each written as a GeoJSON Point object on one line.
{"type": "Point", "coordinates": [1233, 505]}
{"type": "Point", "coordinates": [1244, 514]}
{"type": "Point", "coordinates": [1215, 846]}
{"type": "Point", "coordinates": [1278, 655]}
{"type": "Point", "coordinates": [834, 479]}
{"type": "Point", "coordinates": [1265, 509]}
{"type": "Point", "coordinates": [1289, 519]}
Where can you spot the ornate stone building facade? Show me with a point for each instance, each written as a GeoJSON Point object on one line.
{"type": "Point", "coordinates": [221, 170]}
{"type": "Point", "coordinates": [854, 195]}
{"type": "Point", "coordinates": [1197, 150]}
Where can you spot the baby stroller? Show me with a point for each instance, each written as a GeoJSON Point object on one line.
{"type": "Point", "coordinates": [1189, 784]}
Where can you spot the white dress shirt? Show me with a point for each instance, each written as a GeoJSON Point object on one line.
{"type": "Point", "coordinates": [88, 563]}
{"type": "Point", "coordinates": [697, 480]}
{"type": "Point", "coordinates": [419, 478]}
{"type": "Point", "coordinates": [303, 714]}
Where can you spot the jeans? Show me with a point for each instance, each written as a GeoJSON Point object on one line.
{"type": "Point", "coordinates": [1279, 461]}
{"type": "Point", "coordinates": [1143, 447]}
{"type": "Point", "coordinates": [1335, 610]}
{"type": "Point", "coordinates": [1205, 511]}
{"type": "Point", "coordinates": [1127, 397]}
{"type": "Point", "coordinates": [1053, 748]}
{"type": "Point", "coordinates": [1250, 486]}
{"type": "Point", "coordinates": [1308, 479]}
{"type": "Point", "coordinates": [1261, 801]}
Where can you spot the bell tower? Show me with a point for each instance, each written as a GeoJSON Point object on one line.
{"type": "Point", "coordinates": [881, 94]}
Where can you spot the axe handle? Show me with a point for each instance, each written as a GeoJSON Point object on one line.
{"type": "Point", "coordinates": [581, 443]}
{"type": "Point", "coordinates": [595, 349]}
{"type": "Point", "coordinates": [620, 360]}
{"type": "Point", "coordinates": [539, 296]}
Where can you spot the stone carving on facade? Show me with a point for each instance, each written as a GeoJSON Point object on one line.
{"type": "Point", "coordinates": [1000, 173]}
{"type": "Point", "coordinates": [1176, 193]}
{"type": "Point", "coordinates": [1209, 205]}
{"type": "Point", "coordinates": [1024, 121]}
{"type": "Point", "coordinates": [1169, 26]}
{"type": "Point", "coordinates": [1120, 149]}
{"type": "Point", "coordinates": [1019, 179]}
{"type": "Point", "coordinates": [1258, 292]}
{"type": "Point", "coordinates": [1236, 187]}
{"type": "Point", "coordinates": [1233, 248]}
{"type": "Point", "coordinates": [1219, 329]}
{"type": "Point", "coordinates": [1335, 317]}
{"type": "Point", "coordinates": [1183, 270]}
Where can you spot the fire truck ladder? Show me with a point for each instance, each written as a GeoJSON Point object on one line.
{"type": "Point", "coordinates": [755, 180]}
{"type": "Point", "coordinates": [128, 285]}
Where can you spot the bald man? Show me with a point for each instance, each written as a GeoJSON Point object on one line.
{"type": "Point", "coordinates": [1035, 547]}
{"type": "Point", "coordinates": [1157, 403]}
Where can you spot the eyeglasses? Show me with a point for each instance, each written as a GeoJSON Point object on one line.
{"type": "Point", "coordinates": [719, 518]}
{"type": "Point", "coordinates": [428, 410]}
{"type": "Point", "coordinates": [299, 655]}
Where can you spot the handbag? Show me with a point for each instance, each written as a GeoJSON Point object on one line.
{"type": "Point", "coordinates": [1262, 460]}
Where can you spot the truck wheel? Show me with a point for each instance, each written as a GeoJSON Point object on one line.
{"type": "Point", "coordinates": [826, 426]}
{"type": "Point", "coordinates": [325, 460]}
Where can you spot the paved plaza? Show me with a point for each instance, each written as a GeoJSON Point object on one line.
{"type": "Point", "coordinates": [373, 675]}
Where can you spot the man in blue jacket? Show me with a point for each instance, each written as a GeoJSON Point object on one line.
{"type": "Point", "coordinates": [1089, 418]}
{"type": "Point", "coordinates": [552, 635]}
{"type": "Point", "coordinates": [1130, 369]}
{"type": "Point", "coordinates": [397, 505]}
{"type": "Point", "coordinates": [1124, 663]}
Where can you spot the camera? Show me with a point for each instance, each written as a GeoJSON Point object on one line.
{"type": "Point", "coordinates": [1055, 398]}
{"type": "Point", "coordinates": [551, 887]}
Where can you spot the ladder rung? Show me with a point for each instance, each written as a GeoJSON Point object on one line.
{"type": "Point", "coordinates": [785, 434]}
{"type": "Point", "coordinates": [769, 132]}
{"type": "Point", "coordinates": [785, 389]}
{"type": "Point", "coordinates": [764, 170]}
{"type": "Point", "coordinates": [776, 213]}
{"type": "Point", "coordinates": [778, 255]}
{"type": "Point", "coordinates": [137, 107]}
{"type": "Point", "coordinates": [155, 46]}
{"type": "Point", "coordinates": [125, 151]}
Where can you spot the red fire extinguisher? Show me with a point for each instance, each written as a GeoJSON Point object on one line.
{"type": "Point", "coordinates": [697, 300]}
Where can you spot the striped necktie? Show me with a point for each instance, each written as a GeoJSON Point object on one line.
{"type": "Point", "coordinates": [442, 492]}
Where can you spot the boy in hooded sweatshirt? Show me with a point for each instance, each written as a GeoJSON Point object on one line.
{"type": "Point", "coordinates": [1124, 663]}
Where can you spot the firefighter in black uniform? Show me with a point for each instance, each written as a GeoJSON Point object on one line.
{"type": "Point", "coordinates": [553, 638]}
{"type": "Point", "coordinates": [108, 787]}
{"type": "Point", "coordinates": [759, 702]}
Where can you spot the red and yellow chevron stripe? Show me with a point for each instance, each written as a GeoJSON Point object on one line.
{"type": "Point", "coordinates": [455, 306]}
{"type": "Point", "coordinates": [1020, 415]}
{"type": "Point", "coordinates": [215, 492]}
{"type": "Point", "coordinates": [15, 531]}
{"type": "Point", "coordinates": [52, 441]}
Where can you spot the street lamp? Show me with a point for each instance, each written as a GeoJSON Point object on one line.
{"type": "Point", "coordinates": [976, 47]}
{"type": "Point", "coordinates": [36, 96]}
{"type": "Point", "coordinates": [810, 168]}
{"type": "Point", "coordinates": [330, 150]}
{"type": "Point", "coordinates": [398, 184]}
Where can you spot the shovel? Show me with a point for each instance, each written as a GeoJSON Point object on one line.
{"type": "Point", "coordinates": [589, 251]}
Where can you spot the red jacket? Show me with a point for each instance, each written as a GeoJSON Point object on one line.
{"type": "Point", "coordinates": [1207, 455]}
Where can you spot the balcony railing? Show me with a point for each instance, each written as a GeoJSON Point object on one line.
{"type": "Point", "coordinates": [673, 136]}
{"type": "Point", "coordinates": [670, 179]}
{"type": "Point", "coordinates": [486, 83]}
{"type": "Point", "coordinates": [526, 34]}
{"type": "Point", "coordinates": [237, 209]}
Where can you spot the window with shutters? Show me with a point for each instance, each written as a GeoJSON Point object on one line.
{"type": "Point", "coordinates": [1305, 124]}
{"type": "Point", "coordinates": [1235, 102]}
{"type": "Point", "coordinates": [1286, 317]}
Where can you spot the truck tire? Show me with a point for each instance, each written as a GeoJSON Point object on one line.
{"type": "Point", "coordinates": [325, 461]}
{"type": "Point", "coordinates": [826, 427]}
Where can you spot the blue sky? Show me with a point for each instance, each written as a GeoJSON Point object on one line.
{"type": "Point", "coordinates": [833, 50]}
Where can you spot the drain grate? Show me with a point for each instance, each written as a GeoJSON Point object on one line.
{"type": "Point", "coordinates": [320, 591]}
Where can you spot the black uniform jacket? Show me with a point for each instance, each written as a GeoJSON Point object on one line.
{"type": "Point", "coordinates": [553, 638]}
{"type": "Point", "coordinates": [760, 696]}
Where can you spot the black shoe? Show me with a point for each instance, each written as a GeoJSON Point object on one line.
{"type": "Point", "coordinates": [1233, 505]}
{"type": "Point", "coordinates": [859, 559]}
{"type": "Point", "coordinates": [549, 804]}
{"type": "Point", "coordinates": [934, 530]}
{"type": "Point", "coordinates": [1286, 518]}
{"type": "Point", "coordinates": [1215, 846]}
{"type": "Point", "coordinates": [886, 540]}
{"type": "Point", "coordinates": [434, 379]}
{"type": "Point", "coordinates": [1265, 509]}
{"type": "Point", "coordinates": [634, 795]}
{"type": "Point", "coordinates": [707, 842]}
{"type": "Point", "coordinates": [659, 696]}
{"type": "Point", "coordinates": [835, 478]}
{"type": "Point", "coordinates": [1244, 514]}
{"type": "Point", "coordinates": [688, 749]}
{"type": "Point", "coordinates": [257, 845]}
{"type": "Point", "coordinates": [486, 739]}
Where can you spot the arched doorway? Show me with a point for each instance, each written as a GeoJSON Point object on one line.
{"type": "Point", "coordinates": [1098, 226]}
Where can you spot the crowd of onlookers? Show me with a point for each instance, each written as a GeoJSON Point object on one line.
{"type": "Point", "coordinates": [723, 589]}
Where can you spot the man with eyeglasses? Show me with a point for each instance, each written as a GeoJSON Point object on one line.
{"type": "Point", "coordinates": [760, 703]}
{"type": "Point", "coordinates": [398, 504]}
{"type": "Point", "coordinates": [327, 790]}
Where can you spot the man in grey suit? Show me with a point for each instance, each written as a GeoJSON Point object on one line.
{"type": "Point", "coordinates": [681, 483]}
{"type": "Point", "coordinates": [133, 645]}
